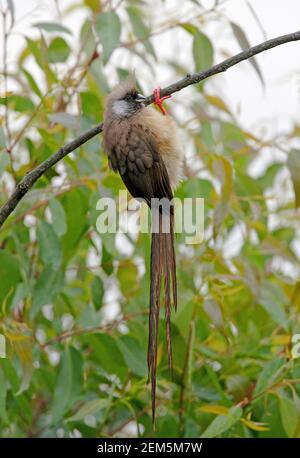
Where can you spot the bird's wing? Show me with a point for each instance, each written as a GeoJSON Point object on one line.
{"type": "Point", "coordinates": [140, 165]}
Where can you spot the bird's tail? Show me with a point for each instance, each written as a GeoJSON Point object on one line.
{"type": "Point", "coordinates": [163, 272]}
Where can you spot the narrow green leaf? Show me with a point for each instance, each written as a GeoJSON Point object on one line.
{"type": "Point", "coordinates": [68, 383]}
{"type": "Point", "coordinates": [76, 221]}
{"type": "Point", "coordinates": [20, 103]}
{"type": "Point", "coordinates": [9, 274]}
{"type": "Point", "coordinates": [49, 245]}
{"type": "Point", "coordinates": [244, 44]}
{"type": "Point", "coordinates": [268, 375]}
{"type": "Point", "coordinates": [46, 288]}
{"type": "Point", "coordinates": [140, 29]}
{"type": "Point", "coordinates": [190, 28]}
{"type": "Point", "coordinates": [107, 261]}
{"type": "Point", "coordinates": [273, 300]}
{"type": "Point", "coordinates": [32, 83]}
{"type": "Point", "coordinates": [111, 362]}
{"type": "Point", "coordinates": [290, 417]}
{"type": "Point", "coordinates": [108, 28]}
{"type": "Point", "coordinates": [223, 422]}
{"type": "Point", "coordinates": [58, 217]}
{"type": "Point", "coordinates": [133, 355]}
{"type": "Point", "coordinates": [202, 51]}
{"type": "Point", "coordinates": [89, 408]}
{"type": "Point", "coordinates": [52, 27]}
{"type": "Point", "coordinates": [23, 349]}
{"type": "Point", "coordinates": [91, 104]}
{"type": "Point", "coordinates": [97, 292]}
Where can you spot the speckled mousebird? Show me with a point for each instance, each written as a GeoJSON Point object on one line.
{"type": "Point", "coordinates": [143, 147]}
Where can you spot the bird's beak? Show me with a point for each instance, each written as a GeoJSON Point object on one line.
{"type": "Point", "coordinates": [140, 98]}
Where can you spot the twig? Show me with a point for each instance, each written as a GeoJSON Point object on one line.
{"type": "Point", "coordinates": [90, 330]}
{"type": "Point", "coordinates": [28, 181]}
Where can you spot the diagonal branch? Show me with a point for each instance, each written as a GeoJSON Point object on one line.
{"type": "Point", "coordinates": [28, 181]}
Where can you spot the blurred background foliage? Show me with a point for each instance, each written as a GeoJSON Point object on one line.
{"type": "Point", "coordinates": [74, 303]}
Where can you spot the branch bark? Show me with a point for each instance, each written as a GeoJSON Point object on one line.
{"type": "Point", "coordinates": [28, 180]}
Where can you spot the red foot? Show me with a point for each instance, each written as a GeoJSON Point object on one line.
{"type": "Point", "coordinates": [159, 100]}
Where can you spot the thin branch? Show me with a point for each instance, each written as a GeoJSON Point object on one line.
{"type": "Point", "coordinates": [28, 181]}
{"type": "Point", "coordinates": [90, 330]}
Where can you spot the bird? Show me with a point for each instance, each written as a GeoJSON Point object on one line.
{"type": "Point", "coordinates": [143, 146]}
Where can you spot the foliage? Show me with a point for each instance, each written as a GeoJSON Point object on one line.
{"type": "Point", "coordinates": [74, 305]}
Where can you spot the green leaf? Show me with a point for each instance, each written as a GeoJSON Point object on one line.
{"type": "Point", "coordinates": [196, 187]}
{"type": "Point", "coordinates": [244, 44]}
{"type": "Point", "coordinates": [108, 28]}
{"type": "Point", "coordinates": [9, 273]}
{"type": "Point", "coordinates": [273, 300]}
{"type": "Point", "coordinates": [111, 362]}
{"type": "Point", "coordinates": [107, 261]}
{"type": "Point", "coordinates": [20, 103]}
{"type": "Point", "coordinates": [58, 50]}
{"type": "Point", "coordinates": [58, 217]}
{"type": "Point", "coordinates": [87, 39]}
{"type": "Point", "coordinates": [140, 29]}
{"type": "Point", "coordinates": [32, 83]}
{"type": "Point", "coordinates": [223, 422]}
{"type": "Point", "coordinates": [49, 245]}
{"type": "Point", "coordinates": [188, 27]}
{"type": "Point", "coordinates": [127, 275]}
{"type": "Point", "coordinates": [290, 417]}
{"type": "Point", "coordinates": [133, 355]}
{"type": "Point", "coordinates": [52, 27]}
{"type": "Point", "coordinates": [90, 104]}
{"type": "Point", "coordinates": [268, 375]}
{"type": "Point", "coordinates": [48, 285]}
{"type": "Point", "coordinates": [23, 349]}
{"type": "Point", "coordinates": [89, 408]}
{"type": "Point", "coordinates": [202, 52]}
{"type": "Point", "coordinates": [293, 164]}
{"type": "Point", "coordinates": [68, 383]}
{"type": "Point", "coordinates": [76, 221]}
{"type": "Point", "coordinates": [269, 176]}
{"type": "Point", "coordinates": [97, 292]}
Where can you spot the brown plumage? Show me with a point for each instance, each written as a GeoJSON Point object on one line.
{"type": "Point", "coordinates": [142, 145]}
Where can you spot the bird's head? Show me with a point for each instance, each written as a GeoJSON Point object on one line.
{"type": "Point", "coordinates": [124, 101]}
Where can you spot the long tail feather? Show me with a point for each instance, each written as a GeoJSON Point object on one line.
{"type": "Point", "coordinates": [163, 270]}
